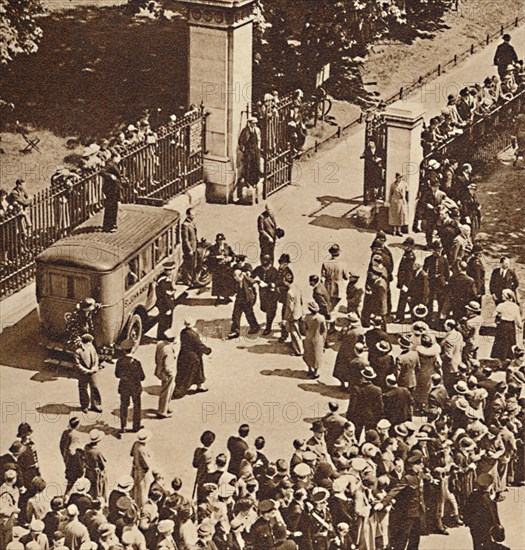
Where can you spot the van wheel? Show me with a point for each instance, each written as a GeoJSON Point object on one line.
{"type": "Point", "coordinates": [135, 330]}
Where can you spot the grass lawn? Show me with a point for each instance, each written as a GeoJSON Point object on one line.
{"type": "Point", "coordinates": [407, 62]}
{"type": "Point", "coordinates": [502, 200]}
{"type": "Point", "coordinates": [96, 69]}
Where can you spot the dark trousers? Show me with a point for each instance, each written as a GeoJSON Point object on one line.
{"type": "Point", "coordinates": [402, 305]}
{"type": "Point", "coordinates": [125, 398]}
{"type": "Point", "coordinates": [165, 320]}
{"type": "Point", "coordinates": [89, 393]}
{"type": "Point", "coordinates": [435, 294]}
{"type": "Point", "coordinates": [239, 308]}
{"type": "Point", "coordinates": [188, 269]}
{"type": "Point", "coordinates": [110, 215]}
{"type": "Point", "coordinates": [268, 249]}
{"type": "Point", "coordinates": [405, 533]}
{"type": "Point", "coordinates": [271, 311]}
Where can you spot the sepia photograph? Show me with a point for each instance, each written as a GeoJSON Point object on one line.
{"type": "Point", "coordinates": [262, 275]}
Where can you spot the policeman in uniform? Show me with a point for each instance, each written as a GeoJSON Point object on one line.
{"type": "Point", "coordinates": [165, 300]}
{"type": "Point", "coordinates": [318, 523]}
{"type": "Point", "coordinates": [129, 371]}
{"type": "Point", "coordinates": [261, 533]}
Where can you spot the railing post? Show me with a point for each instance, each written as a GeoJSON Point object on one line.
{"type": "Point", "coordinates": [338, 132]}
{"type": "Point", "coordinates": [401, 93]}
{"type": "Point", "coordinates": [455, 59]}
{"type": "Point", "coordinates": [516, 22]}
{"type": "Point", "coordinates": [502, 30]}
{"type": "Point", "coordinates": [488, 39]}
{"type": "Point", "coordinates": [471, 49]}
{"type": "Point", "coordinates": [439, 69]}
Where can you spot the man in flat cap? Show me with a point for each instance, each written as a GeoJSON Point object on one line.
{"type": "Point", "coordinates": [261, 534]}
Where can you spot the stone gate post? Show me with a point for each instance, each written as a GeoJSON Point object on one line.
{"type": "Point", "coordinates": [404, 153]}
{"type": "Point", "coordinates": [220, 75]}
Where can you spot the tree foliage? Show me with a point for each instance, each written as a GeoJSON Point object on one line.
{"type": "Point", "coordinates": [19, 29]}
{"type": "Point", "coordinates": [294, 40]}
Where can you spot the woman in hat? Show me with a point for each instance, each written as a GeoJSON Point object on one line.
{"type": "Point", "coordinates": [314, 341]}
{"type": "Point", "coordinates": [333, 273]}
{"type": "Point", "coordinates": [220, 258]}
{"type": "Point", "coordinates": [429, 363]}
{"type": "Point", "coordinates": [143, 470]}
{"type": "Point", "coordinates": [509, 327]}
{"type": "Point", "coordinates": [376, 292]}
{"type": "Point", "coordinates": [398, 205]}
{"type": "Point", "coordinates": [95, 465]}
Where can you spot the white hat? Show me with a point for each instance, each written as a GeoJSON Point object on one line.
{"type": "Point", "coordinates": [433, 164]}
{"type": "Point", "coordinates": [91, 150]}
{"type": "Point", "coordinates": [132, 128]}
{"type": "Point", "coordinates": [144, 435]}
{"type": "Point", "coordinates": [72, 510]}
{"type": "Point", "coordinates": [125, 483]}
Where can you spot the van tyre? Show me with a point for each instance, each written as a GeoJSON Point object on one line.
{"type": "Point", "coordinates": [134, 331]}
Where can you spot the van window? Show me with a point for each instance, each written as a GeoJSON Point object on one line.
{"type": "Point", "coordinates": [72, 287]}
{"type": "Point", "coordinates": [146, 263]}
{"type": "Point", "coordinates": [132, 276]}
{"type": "Point", "coordinates": [160, 248]}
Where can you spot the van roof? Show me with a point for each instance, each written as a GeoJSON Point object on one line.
{"type": "Point", "coordinates": [90, 248]}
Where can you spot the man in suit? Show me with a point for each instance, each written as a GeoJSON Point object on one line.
{"type": "Point", "coordinates": [461, 290]}
{"type": "Point", "coordinates": [250, 147]}
{"type": "Point", "coordinates": [321, 297]}
{"type": "Point", "coordinates": [407, 363]}
{"type": "Point", "coordinates": [244, 302]}
{"type": "Point", "coordinates": [9, 461]}
{"type": "Point", "coordinates": [418, 291]}
{"type": "Point", "coordinates": [476, 270]}
{"type": "Point", "coordinates": [405, 272]}
{"type": "Point", "coordinates": [111, 187]}
{"type": "Point", "coordinates": [409, 507]}
{"type": "Point", "coordinates": [237, 446]}
{"type": "Point", "coordinates": [87, 365]}
{"type": "Point", "coordinates": [334, 423]}
{"type": "Point", "coordinates": [293, 313]}
{"type": "Point", "coordinates": [438, 271]}
{"type": "Point", "coordinates": [166, 301]}
{"type": "Point", "coordinates": [165, 371]}
{"type": "Point", "coordinates": [451, 352]}
{"type": "Point", "coordinates": [268, 232]}
{"type": "Point", "coordinates": [432, 200]}
{"type": "Point", "coordinates": [267, 276]}
{"type": "Point", "coordinates": [438, 398]}
{"type": "Point", "coordinates": [397, 401]}
{"type": "Point", "coordinates": [505, 55]}
{"type": "Point", "coordinates": [365, 410]}
{"type": "Point", "coordinates": [501, 278]}
{"type": "Point", "coordinates": [188, 231]}
{"type": "Point", "coordinates": [130, 374]}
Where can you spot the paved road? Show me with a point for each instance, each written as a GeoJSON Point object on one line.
{"type": "Point", "coordinates": [250, 380]}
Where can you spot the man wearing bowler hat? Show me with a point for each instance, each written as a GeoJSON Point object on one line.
{"type": "Point", "coordinates": [366, 408]}
{"type": "Point", "coordinates": [165, 299]}
{"type": "Point", "coordinates": [269, 232]}
{"type": "Point", "coordinates": [505, 55]}
{"type": "Point", "coordinates": [130, 374]}
{"type": "Point", "coordinates": [405, 272]}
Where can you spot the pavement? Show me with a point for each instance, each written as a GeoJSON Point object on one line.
{"type": "Point", "coordinates": [251, 379]}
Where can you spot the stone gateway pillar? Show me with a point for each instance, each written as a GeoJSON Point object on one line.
{"type": "Point", "coordinates": [220, 76]}
{"type": "Point", "coordinates": [404, 152]}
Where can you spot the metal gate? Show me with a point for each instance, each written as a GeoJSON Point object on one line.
{"type": "Point", "coordinates": [281, 127]}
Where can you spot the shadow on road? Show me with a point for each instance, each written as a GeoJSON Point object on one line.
{"type": "Point", "coordinates": [286, 373]}
{"type": "Point", "coordinates": [335, 392]}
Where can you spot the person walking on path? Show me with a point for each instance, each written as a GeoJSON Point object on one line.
{"type": "Point", "coordinates": [87, 365]}
{"type": "Point", "coordinates": [398, 205]}
{"type": "Point", "coordinates": [130, 374]}
{"type": "Point", "coordinates": [165, 370]}
{"type": "Point", "coordinates": [267, 277]}
{"type": "Point", "coordinates": [244, 302]}
{"type": "Point", "coordinates": [505, 55]}
{"type": "Point", "coordinates": [188, 231]}
{"type": "Point", "coordinates": [314, 340]}
{"type": "Point", "coordinates": [190, 365]}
